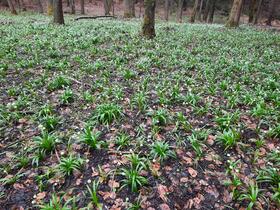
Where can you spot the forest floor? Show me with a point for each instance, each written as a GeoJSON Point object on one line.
{"type": "Point", "coordinates": [92, 115]}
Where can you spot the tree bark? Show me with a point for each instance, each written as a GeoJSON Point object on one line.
{"type": "Point", "coordinates": [72, 5]}
{"type": "Point", "coordinates": [58, 12]}
{"type": "Point", "coordinates": [12, 7]}
{"type": "Point", "coordinates": [180, 11]}
{"type": "Point", "coordinates": [258, 12]}
{"type": "Point", "coordinates": [107, 6]}
{"type": "Point", "coordinates": [211, 11]}
{"type": "Point", "coordinates": [234, 14]}
{"type": "Point", "coordinates": [148, 28]}
{"type": "Point", "coordinates": [166, 10]}
{"type": "Point", "coordinates": [40, 6]}
{"type": "Point", "coordinates": [271, 11]}
{"type": "Point", "coordinates": [50, 7]}
{"type": "Point", "coordinates": [252, 10]}
{"type": "Point", "coordinates": [194, 11]}
{"type": "Point", "coordinates": [200, 10]}
{"type": "Point", "coordinates": [82, 6]}
{"type": "Point", "coordinates": [23, 7]}
{"type": "Point", "coordinates": [206, 11]}
{"type": "Point", "coordinates": [129, 8]}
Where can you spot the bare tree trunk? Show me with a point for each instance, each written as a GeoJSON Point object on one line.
{"type": "Point", "coordinates": [58, 12]}
{"type": "Point", "coordinates": [252, 10]}
{"type": "Point", "coordinates": [212, 11]}
{"type": "Point", "coordinates": [72, 5]}
{"type": "Point", "coordinates": [23, 7]}
{"type": "Point", "coordinates": [50, 7]}
{"type": "Point", "coordinates": [107, 6]}
{"type": "Point", "coordinates": [200, 10]}
{"type": "Point", "coordinates": [180, 11]}
{"type": "Point", "coordinates": [166, 10]}
{"type": "Point", "coordinates": [82, 6]}
{"type": "Point", "coordinates": [258, 12]}
{"type": "Point", "coordinates": [271, 12]}
{"type": "Point", "coordinates": [148, 28]}
{"type": "Point", "coordinates": [234, 13]}
{"type": "Point", "coordinates": [206, 11]}
{"type": "Point", "coordinates": [239, 13]}
{"type": "Point", "coordinates": [11, 6]}
{"type": "Point", "coordinates": [194, 11]}
{"type": "Point", "coordinates": [68, 3]}
{"type": "Point", "coordinates": [129, 8]}
{"type": "Point", "coordinates": [40, 6]}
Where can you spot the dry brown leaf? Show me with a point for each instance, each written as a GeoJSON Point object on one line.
{"type": "Point", "coordinates": [192, 172]}
{"type": "Point", "coordinates": [162, 191]}
{"type": "Point", "coordinates": [164, 206]}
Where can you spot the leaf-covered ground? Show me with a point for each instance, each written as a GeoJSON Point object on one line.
{"type": "Point", "coordinates": [94, 116]}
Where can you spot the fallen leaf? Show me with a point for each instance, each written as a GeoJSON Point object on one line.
{"type": "Point", "coordinates": [162, 191]}
{"type": "Point", "coordinates": [192, 172]}
{"type": "Point", "coordinates": [164, 206]}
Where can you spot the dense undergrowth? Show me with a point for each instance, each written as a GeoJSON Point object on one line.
{"type": "Point", "coordinates": [93, 115]}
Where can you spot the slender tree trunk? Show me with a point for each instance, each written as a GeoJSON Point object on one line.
{"type": "Point", "coordinates": [200, 10]}
{"type": "Point", "coordinates": [211, 11]}
{"type": "Point", "coordinates": [148, 28]}
{"type": "Point", "coordinates": [235, 11]}
{"type": "Point", "coordinates": [206, 11]}
{"type": "Point", "coordinates": [252, 10]}
{"type": "Point", "coordinates": [12, 7]}
{"type": "Point", "coordinates": [72, 5]}
{"type": "Point", "coordinates": [271, 12]}
{"type": "Point", "coordinates": [107, 6]}
{"type": "Point", "coordinates": [194, 11]}
{"type": "Point", "coordinates": [180, 11]}
{"type": "Point", "coordinates": [23, 7]}
{"type": "Point", "coordinates": [166, 10]}
{"type": "Point", "coordinates": [258, 12]}
{"type": "Point", "coordinates": [239, 13]}
{"type": "Point", "coordinates": [129, 8]}
{"type": "Point", "coordinates": [68, 3]}
{"type": "Point", "coordinates": [58, 12]}
{"type": "Point", "coordinates": [40, 6]}
{"type": "Point", "coordinates": [50, 7]}
{"type": "Point", "coordinates": [82, 6]}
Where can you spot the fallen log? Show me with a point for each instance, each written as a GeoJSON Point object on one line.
{"type": "Point", "coordinates": [94, 17]}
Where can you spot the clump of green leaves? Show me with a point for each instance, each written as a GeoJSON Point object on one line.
{"type": "Point", "coordinates": [162, 151]}
{"type": "Point", "coordinates": [45, 142]}
{"type": "Point", "coordinates": [229, 138]}
{"type": "Point", "coordinates": [69, 164]}
{"type": "Point", "coordinates": [91, 137]}
{"type": "Point", "coordinates": [107, 113]}
{"type": "Point", "coordinates": [58, 83]}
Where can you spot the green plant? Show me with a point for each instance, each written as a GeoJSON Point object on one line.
{"type": "Point", "coordinates": [55, 203]}
{"type": "Point", "coordinates": [91, 138]}
{"type": "Point", "coordinates": [139, 100]}
{"type": "Point", "coordinates": [276, 195]}
{"type": "Point", "coordinates": [69, 164]}
{"type": "Point", "coordinates": [58, 83]}
{"type": "Point", "coordinates": [251, 195]}
{"type": "Point", "coordinates": [45, 110]}
{"type": "Point", "coordinates": [45, 142]}
{"type": "Point", "coordinates": [136, 160]}
{"type": "Point", "coordinates": [196, 145]}
{"type": "Point", "coordinates": [275, 131]}
{"type": "Point", "coordinates": [93, 194]}
{"type": "Point", "coordinates": [160, 117]}
{"type": "Point", "coordinates": [11, 179]}
{"type": "Point", "coordinates": [161, 150]}
{"type": "Point", "coordinates": [234, 185]}
{"type": "Point", "coordinates": [133, 179]}
{"type": "Point", "coordinates": [269, 175]}
{"type": "Point", "coordinates": [107, 113]}
{"type": "Point", "coordinates": [122, 140]}
{"type": "Point", "coordinates": [50, 122]}
{"type": "Point", "coordinates": [229, 138]}
{"type": "Point", "coordinates": [67, 96]}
